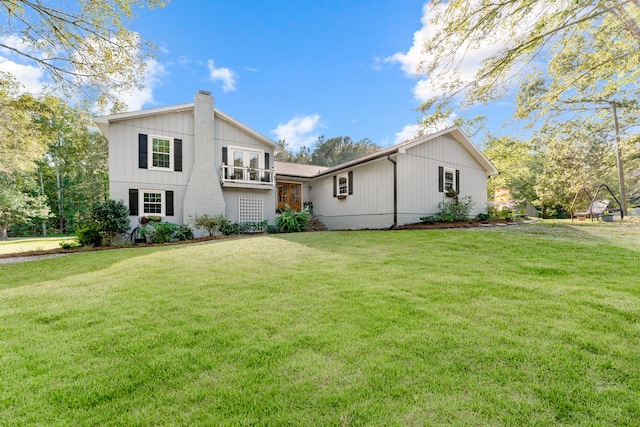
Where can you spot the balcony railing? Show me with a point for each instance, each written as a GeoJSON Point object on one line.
{"type": "Point", "coordinates": [240, 176]}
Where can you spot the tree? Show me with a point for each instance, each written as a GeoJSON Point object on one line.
{"type": "Point", "coordinates": [17, 207]}
{"type": "Point", "coordinates": [74, 170]}
{"type": "Point", "coordinates": [519, 164]}
{"type": "Point", "coordinates": [84, 45]}
{"type": "Point", "coordinates": [528, 30]}
{"type": "Point", "coordinates": [20, 142]}
{"type": "Point", "coordinates": [578, 58]}
{"type": "Point", "coordinates": [328, 152]}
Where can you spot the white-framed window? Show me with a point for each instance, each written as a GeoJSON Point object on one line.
{"type": "Point", "coordinates": [247, 163]}
{"type": "Point", "coordinates": [160, 152]}
{"type": "Point", "coordinates": [449, 180]}
{"type": "Point", "coordinates": [343, 184]}
{"type": "Point", "coordinates": [152, 202]}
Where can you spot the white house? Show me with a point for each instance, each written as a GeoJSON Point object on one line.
{"type": "Point", "coordinates": [193, 159]}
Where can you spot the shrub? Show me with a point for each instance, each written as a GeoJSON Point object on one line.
{"type": "Point", "coordinates": [164, 232]}
{"type": "Point", "coordinates": [111, 218]}
{"type": "Point", "coordinates": [454, 211]}
{"type": "Point", "coordinates": [484, 216]}
{"type": "Point", "coordinates": [89, 236]}
{"type": "Point", "coordinates": [428, 219]}
{"type": "Point", "coordinates": [291, 221]}
{"type": "Point", "coordinates": [70, 244]}
{"type": "Point", "coordinates": [211, 224]}
{"type": "Point", "coordinates": [230, 228]}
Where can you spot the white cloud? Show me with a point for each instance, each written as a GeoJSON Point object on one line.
{"type": "Point", "coordinates": [413, 131]}
{"type": "Point", "coordinates": [468, 62]}
{"type": "Point", "coordinates": [223, 74]}
{"type": "Point", "coordinates": [32, 78]}
{"type": "Point", "coordinates": [299, 131]}
{"type": "Point", "coordinates": [408, 132]}
{"type": "Point", "coordinates": [137, 99]}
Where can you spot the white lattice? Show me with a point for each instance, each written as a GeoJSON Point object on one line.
{"type": "Point", "coordinates": [250, 209]}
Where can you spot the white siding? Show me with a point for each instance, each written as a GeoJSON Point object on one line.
{"type": "Point", "coordinates": [418, 193]}
{"type": "Point", "coordinates": [232, 195]}
{"type": "Point", "coordinates": [370, 205]}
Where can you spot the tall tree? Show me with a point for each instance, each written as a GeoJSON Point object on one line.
{"type": "Point", "coordinates": [20, 142]}
{"type": "Point", "coordinates": [337, 150]}
{"type": "Point", "coordinates": [328, 152]}
{"type": "Point", "coordinates": [18, 206]}
{"type": "Point", "coordinates": [74, 170]}
{"type": "Point", "coordinates": [83, 45]}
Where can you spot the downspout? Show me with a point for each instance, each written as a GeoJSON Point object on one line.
{"type": "Point", "coordinates": [395, 191]}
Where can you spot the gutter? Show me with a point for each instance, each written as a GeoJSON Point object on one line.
{"type": "Point", "coordinates": [395, 192]}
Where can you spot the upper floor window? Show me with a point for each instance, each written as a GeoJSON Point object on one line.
{"type": "Point", "coordinates": [247, 163]}
{"type": "Point", "coordinates": [160, 154]}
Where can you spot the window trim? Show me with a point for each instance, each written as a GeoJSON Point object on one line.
{"type": "Point", "coordinates": [170, 154]}
{"type": "Point", "coordinates": [346, 184]}
{"type": "Point", "coordinates": [453, 179]}
{"type": "Point", "coordinates": [163, 202]}
{"type": "Point", "coordinates": [246, 152]}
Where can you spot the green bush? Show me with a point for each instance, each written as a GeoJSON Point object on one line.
{"type": "Point", "coordinates": [89, 236]}
{"type": "Point", "coordinates": [484, 216]}
{"type": "Point", "coordinates": [428, 219]}
{"type": "Point", "coordinates": [70, 244]}
{"type": "Point", "coordinates": [291, 221]}
{"type": "Point", "coordinates": [111, 218]}
{"type": "Point", "coordinates": [211, 224]}
{"type": "Point", "coordinates": [164, 232]}
{"type": "Point", "coordinates": [455, 211]}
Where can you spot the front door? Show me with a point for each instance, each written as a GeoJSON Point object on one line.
{"type": "Point", "coordinates": [289, 194]}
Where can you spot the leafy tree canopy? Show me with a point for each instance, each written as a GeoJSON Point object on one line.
{"type": "Point", "coordinates": [83, 45]}
{"type": "Point", "coordinates": [328, 152]}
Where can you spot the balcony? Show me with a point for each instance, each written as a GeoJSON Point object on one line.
{"type": "Point", "coordinates": [246, 177]}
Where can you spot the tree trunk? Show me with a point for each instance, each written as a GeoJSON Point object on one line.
{"type": "Point", "coordinates": [3, 232]}
{"type": "Point", "coordinates": [44, 221]}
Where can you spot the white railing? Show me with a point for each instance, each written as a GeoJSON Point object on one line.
{"type": "Point", "coordinates": [241, 174]}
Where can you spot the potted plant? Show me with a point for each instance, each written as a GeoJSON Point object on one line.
{"type": "Point", "coordinates": [451, 193]}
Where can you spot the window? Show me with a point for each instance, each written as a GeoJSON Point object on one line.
{"type": "Point", "coordinates": [449, 180]}
{"type": "Point", "coordinates": [160, 155]}
{"type": "Point", "coordinates": [247, 164]}
{"type": "Point", "coordinates": [343, 185]}
{"type": "Point", "coordinates": [152, 202]}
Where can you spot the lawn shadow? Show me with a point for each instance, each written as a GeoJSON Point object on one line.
{"type": "Point", "coordinates": [14, 275]}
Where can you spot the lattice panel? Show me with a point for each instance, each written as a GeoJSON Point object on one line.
{"type": "Point", "coordinates": [250, 209]}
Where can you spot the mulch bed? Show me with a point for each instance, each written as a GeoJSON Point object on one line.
{"type": "Point", "coordinates": [471, 223]}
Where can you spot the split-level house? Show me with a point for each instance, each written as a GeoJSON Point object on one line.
{"type": "Point", "coordinates": [192, 159]}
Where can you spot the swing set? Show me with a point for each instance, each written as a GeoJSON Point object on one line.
{"type": "Point", "coordinates": [596, 207]}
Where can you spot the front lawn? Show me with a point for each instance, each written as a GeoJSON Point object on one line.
{"type": "Point", "coordinates": [518, 325]}
{"type": "Point", "coordinates": [27, 244]}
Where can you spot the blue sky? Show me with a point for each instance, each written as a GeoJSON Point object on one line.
{"type": "Point", "coordinates": [293, 70]}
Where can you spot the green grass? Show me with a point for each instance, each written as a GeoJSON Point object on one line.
{"type": "Point", "coordinates": [519, 325]}
{"type": "Point", "coordinates": [25, 244]}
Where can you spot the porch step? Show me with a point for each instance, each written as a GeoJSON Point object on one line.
{"type": "Point", "coordinates": [315, 225]}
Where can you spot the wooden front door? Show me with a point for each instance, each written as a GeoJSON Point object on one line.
{"type": "Point", "coordinates": [289, 194]}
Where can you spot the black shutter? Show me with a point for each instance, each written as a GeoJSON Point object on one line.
{"type": "Point", "coordinates": [458, 181]}
{"type": "Point", "coordinates": [224, 155]}
{"type": "Point", "coordinates": [143, 151]}
{"type": "Point", "coordinates": [335, 186]}
{"type": "Point", "coordinates": [133, 201]}
{"type": "Point", "coordinates": [266, 160]}
{"type": "Point", "coordinates": [350, 182]}
{"type": "Point", "coordinates": [177, 155]}
{"type": "Point", "coordinates": [440, 179]}
{"type": "Point", "coordinates": [168, 203]}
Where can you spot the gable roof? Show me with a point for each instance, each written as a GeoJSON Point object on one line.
{"type": "Point", "coordinates": [454, 131]}
{"type": "Point", "coordinates": [103, 122]}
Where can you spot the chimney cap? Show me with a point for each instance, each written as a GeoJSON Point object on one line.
{"type": "Point", "coordinates": [204, 92]}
